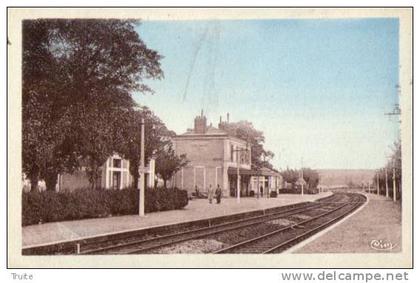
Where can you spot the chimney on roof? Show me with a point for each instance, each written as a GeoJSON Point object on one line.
{"type": "Point", "coordinates": [200, 124]}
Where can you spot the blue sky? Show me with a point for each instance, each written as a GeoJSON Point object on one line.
{"type": "Point", "coordinates": [318, 89]}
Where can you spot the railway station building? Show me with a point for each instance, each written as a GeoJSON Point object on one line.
{"type": "Point", "coordinates": [216, 158]}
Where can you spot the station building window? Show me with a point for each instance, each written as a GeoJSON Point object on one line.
{"type": "Point", "coordinates": [116, 163]}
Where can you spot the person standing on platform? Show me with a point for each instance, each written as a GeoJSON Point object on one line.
{"type": "Point", "coordinates": [197, 192]}
{"type": "Point", "coordinates": [218, 194]}
{"type": "Point", "coordinates": [210, 194]}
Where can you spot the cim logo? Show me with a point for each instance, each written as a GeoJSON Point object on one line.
{"type": "Point", "coordinates": [382, 245]}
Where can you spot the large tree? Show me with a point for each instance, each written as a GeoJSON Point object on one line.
{"type": "Point", "coordinates": [78, 76]}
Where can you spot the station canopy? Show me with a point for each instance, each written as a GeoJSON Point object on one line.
{"type": "Point", "coordinates": [262, 172]}
{"type": "Point", "coordinates": [242, 171]}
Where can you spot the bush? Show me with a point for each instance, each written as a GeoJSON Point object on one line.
{"type": "Point", "coordinates": [273, 194]}
{"type": "Point", "coordinates": [50, 206]}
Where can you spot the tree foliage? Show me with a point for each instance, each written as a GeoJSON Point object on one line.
{"type": "Point", "coordinates": [290, 176]}
{"type": "Point", "coordinates": [168, 163]}
{"type": "Point", "coordinates": [157, 137]}
{"type": "Point", "coordinates": [393, 163]}
{"type": "Point", "coordinates": [255, 138]}
{"type": "Point", "coordinates": [311, 177]}
{"type": "Point", "coordinates": [78, 76]}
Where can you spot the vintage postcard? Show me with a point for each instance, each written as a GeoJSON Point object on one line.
{"type": "Point", "coordinates": [218, 137]}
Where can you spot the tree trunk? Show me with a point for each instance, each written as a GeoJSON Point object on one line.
{"type": "Point", "coordinates": [34, 183]}
{"type": "Point", "coordinates": [92, 173]}
{"type": "Point", "coordinates": [51, 181]}
{"type": "Point", "coordinates": [164, 183]}
{"type": "Point", "coordinates": [135, 181]}
{"type": "Point", "coordinates": [34, 178]}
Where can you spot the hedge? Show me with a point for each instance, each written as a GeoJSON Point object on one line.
{"type": "Point", "coordinates": [298, 191]}
{"type": "Point", "coordinates": [50, 206]}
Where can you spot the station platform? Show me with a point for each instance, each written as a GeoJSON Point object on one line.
{"type": "Point", "coordinates": [372, 229]}
{"type": "Point", "coordinates": [197, 209]}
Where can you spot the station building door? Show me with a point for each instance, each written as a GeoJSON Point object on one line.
{"type": "Point", "coordinates": [200, 178]}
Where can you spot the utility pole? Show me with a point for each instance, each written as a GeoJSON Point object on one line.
{"type": "Point", "coordinates": [142, 169]}
{"type": "Point", "coordinates": [377, 183]}
{"type": "Point", "coordinates": [386, 182]}
{"type": "Point", "coordinates": [301, 184]}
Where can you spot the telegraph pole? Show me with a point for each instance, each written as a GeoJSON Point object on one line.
{"type": "Point", "coordinates": [141, 192]}
{"type": "Point", "coordinates": [301, 163]}
{"type": "Point", "coordinates": [377, 183]}
{"type": "Point", "coordinates": [386, 182]}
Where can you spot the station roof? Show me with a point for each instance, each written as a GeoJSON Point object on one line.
{"type": "Point", "coordinates": [210, 131]}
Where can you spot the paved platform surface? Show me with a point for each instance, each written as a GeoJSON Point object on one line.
{"type": "Point", "coordinates": [195, 210]}
{"type": "Point", "coordinates": [379, 220]}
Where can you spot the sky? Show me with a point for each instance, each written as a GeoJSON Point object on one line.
{"type": "Point", "coordinates": [318, 89]}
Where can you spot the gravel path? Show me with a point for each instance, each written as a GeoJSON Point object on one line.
{"type": "Point", "coordinates": [379, 222]}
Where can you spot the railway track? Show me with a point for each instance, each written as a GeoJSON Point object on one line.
{"type": "Point", "coordinates": [285, 237]}
{"type": "Point", "coordinates": [149, 245]}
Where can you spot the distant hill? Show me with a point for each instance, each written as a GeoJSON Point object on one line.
{"type": "Point", "coordinates": [333, 177]}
